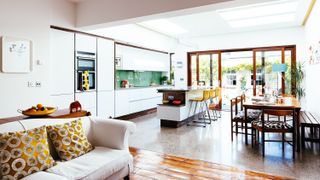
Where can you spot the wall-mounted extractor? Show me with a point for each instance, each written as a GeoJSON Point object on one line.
{"type": "Point", "coordinates": [85, 71]}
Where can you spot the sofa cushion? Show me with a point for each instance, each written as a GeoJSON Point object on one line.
{"type": "Point", "coordinates": [99, 163]}
{"type": "Point", "coordinates": [44, 175]}
{"type": "Point", "coordinates": [33, 123]}
{"type": "Point", "coordinates": [24, 152]}
{"type": "Point", "coordinates": [69, 140]}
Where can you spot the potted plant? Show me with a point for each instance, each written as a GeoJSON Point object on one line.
{"type": "Point", "coordinates": [298, 76]}
{"type": "Point", "coordinates": [164, 80]}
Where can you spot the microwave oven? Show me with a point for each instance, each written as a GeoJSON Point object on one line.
{"type": "Point", "coordinates": [86, 61]}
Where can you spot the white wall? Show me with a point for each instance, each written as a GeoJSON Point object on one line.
{"type": "Point", "coordinates": [277, 37]}
{"type": "Point", "coordinates": [313, 71]}
{"type": "Point", "coordinates": [30, 20]}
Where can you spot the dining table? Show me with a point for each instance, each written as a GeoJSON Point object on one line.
{"type": "Point", "coordinates": [282, 103]}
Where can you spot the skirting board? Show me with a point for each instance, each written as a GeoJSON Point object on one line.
{"type": "Point", "coordinates": [137, 114]}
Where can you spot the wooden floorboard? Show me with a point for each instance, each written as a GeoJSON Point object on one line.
{"type": "Point", "coordinates": [152, 165]}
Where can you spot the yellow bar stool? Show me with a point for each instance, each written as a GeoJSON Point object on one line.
{"type": "Point", "coordinates": [203, 104]}
{"type": "Point", "coordinates": [215, 104]}
{"type": "Point", "coordinates": [211, 105]}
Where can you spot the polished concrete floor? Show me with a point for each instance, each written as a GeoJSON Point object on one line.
{"type": "Point", "coordinates": [213, 144]}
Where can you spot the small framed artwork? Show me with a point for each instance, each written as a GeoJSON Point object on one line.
{"type": "Point", "coordinates": [16, 55]}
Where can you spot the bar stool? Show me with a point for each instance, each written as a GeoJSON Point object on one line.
{"type": "Point", "coordinates": [214, 106]}
{"type": "Point", "coordinates": [203, 104]}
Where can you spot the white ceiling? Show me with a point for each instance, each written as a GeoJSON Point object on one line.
{"type": "Point", "coordinates": [211, 23]}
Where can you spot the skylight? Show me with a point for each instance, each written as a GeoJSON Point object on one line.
{"type": "Point", "coordinates": [163, 26]}
{"type": "Point", "coordinates": [260, 14]}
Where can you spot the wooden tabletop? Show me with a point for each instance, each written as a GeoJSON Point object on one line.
{"type": "Point", "coordinates": [64, 113]}
{"type": "Point", "coordinates": [288, 103]}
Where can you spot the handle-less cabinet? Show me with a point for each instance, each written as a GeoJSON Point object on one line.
{"type": "Point", "coordinates": [88, 101]}
{"type": "Point", "coordinates": [61, 68]}
{"type": "Point", "coordinates": [105, 101]}
{"type": "Point", "coordinates": [105, 64]}
{"type": "Point", "coordinates": [86, 43]}
{"type": "Point", "coordinates": [141, 59]}
{"type": "Point", "coordinates": [105, 78]}
{"type": "Point", "coordinates": [135, 100]}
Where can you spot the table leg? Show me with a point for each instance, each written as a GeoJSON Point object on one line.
{"type": "Point", "coordinates": [298, 129]}
{"type": "Point", "coordinates": [245, 125]}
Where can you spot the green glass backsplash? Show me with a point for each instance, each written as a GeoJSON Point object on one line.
{"type": "Point", "coordinates": [138, 78]}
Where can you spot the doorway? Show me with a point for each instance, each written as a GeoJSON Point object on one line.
{"type": "Point", "coordinates": [246, 71]}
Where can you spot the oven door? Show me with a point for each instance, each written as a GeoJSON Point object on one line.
{"type": "Point", "coordinates": [91, 81]}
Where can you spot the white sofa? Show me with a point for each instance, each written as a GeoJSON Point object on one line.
{"type": "Point", "coordinates": [110, 159]}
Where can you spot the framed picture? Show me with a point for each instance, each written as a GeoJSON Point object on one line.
{"type": "Point", "coordinates": [16, 55]}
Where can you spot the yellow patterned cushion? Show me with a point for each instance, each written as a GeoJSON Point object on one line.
{"type": "Point", "coordinates": [24, 152]}
{"type": "Point", "coordinates": [69, 140]}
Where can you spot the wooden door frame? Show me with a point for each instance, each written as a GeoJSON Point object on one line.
{"type": "Point", "coordinates": [253, 49]}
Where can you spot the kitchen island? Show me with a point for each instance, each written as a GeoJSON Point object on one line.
{"type": "Point", "coordinates": [175, 109]}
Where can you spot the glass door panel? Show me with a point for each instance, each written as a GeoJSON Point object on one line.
{"type": "Point", "coordinates": [205, 69]}
{"type": "Point", "coordinates": [288, 73]}
{"type": "Point", "coordinates": [193, 68]}
{"type": "Point", "coordinates": [215, 70]}
{"type": "Point", "coordinates": [267, 81]}
{"type": "Point", "coordinates": [237, 69]}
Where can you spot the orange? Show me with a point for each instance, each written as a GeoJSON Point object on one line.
{"type": "Point", "coordinates": [39, 106]}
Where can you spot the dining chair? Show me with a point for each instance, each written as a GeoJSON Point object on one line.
{"type": "Point", "coordinates": [238, 116]}
{"type": "Point", "coordinates": [278, 125]}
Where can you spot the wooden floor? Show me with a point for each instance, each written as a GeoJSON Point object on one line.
{"type": "Point", "coordinates": [151, 165]}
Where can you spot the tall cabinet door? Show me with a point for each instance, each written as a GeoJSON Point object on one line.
{"type": "Point", "coordinates": [105, 78]}
{"type": "Point", "coordinates": [105, 61]}
{"type": "Point", "coordinates": [85, 43]}
{"type": "Point", "coordinates": [61, 68]}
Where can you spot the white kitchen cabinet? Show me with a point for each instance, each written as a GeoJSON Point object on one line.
{"type": "Point", "coordinates": [135, 100]}
{"type": "Point", "coordinates": [105, 102]}
{"type": "Point", "coordinates": [62, 63]}
{"type": "Point", "coordinates": [88, 101]}
{"type": "Point", "coordinates": [122, 106]}
{"type": "Point", "coordinates": [105, 77]}
{"type": "Point", "coordinates": [86, 43]}
{"type": "Point", "coordinates": [105, 65]}
{"type": "Point", "coordinates": [142, 60]}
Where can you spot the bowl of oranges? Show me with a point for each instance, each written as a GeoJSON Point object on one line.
{"type": "Point", "coordinates": [38, 111]}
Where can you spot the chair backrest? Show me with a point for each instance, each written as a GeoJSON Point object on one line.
{"type": "Point", "coordinates": [277, 125]}
{"type": "Point", "coordinates": [212, 93]}
{"type": "Point", "coordinates": [206, 94]}
{"type": "Point", "coordinates": [234, 106]}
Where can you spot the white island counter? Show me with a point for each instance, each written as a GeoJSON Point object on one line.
{"type": "Point", "coordinates": [173, 115]}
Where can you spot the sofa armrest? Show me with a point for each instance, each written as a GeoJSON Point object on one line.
{"type": "Point", "coordinates": [111, 133]}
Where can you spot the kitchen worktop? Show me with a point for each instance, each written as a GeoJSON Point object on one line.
{"type": "Point", "coordinates": [143, 87]}
{"type": "Point", "coordinates": [189, 88]}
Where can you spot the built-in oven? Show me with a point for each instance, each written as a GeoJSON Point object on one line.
{"type": "Point", "coordinates": [85, 71]}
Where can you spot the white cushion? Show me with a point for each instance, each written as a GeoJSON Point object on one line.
{"type": "Point", "coordinates": [99, 163]}
{"type": "Point", "coordinates": [44, 175]}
